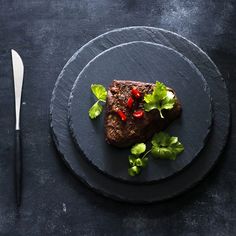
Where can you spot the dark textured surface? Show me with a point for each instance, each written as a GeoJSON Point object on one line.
{"type": "Point", "coordinates": [46, 34]}
{"type": "Point", "coordinates": [172, 186]}
{"type": "Point", "coordinates": [59, 105]}
{"type": "Point", "coordinates": [145, 62]}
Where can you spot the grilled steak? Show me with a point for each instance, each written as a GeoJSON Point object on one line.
{"type": "Point", "coordinates": [125, 126]}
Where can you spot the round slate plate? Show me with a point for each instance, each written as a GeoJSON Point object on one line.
{"type": "Point", "coordinates": [116, 189]}
{"type": "Point", "coordinates": [147, 62]}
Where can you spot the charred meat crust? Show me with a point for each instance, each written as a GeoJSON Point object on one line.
{"type": "Point", "coordinates": [124, 134]}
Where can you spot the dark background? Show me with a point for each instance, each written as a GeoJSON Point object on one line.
{"type": "Point", "coordinates": [46, 34]}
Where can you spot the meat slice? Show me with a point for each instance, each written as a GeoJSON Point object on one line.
{"type": "Point", "coordinates": [124, 131]}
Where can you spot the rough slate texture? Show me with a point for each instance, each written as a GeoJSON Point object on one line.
{"type": "Point", "coordinates": [170, 39]}
{"type": "Point", "coordinates": [46, 34]}
{"type": "Point", "coordinates": [157, 61]}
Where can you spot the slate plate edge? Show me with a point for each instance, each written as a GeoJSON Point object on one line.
{"type": "Point", "coordinates": [206, 89]}
{"type": "Point", "coordinates": [98, 190]}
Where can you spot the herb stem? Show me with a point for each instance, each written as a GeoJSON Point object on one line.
{"type": "Point", "coordinates": [161, 114]}
{"type": "Point", "coordinates": [99, 100]}
{"type": "Point", "coordinates": [146, 153]}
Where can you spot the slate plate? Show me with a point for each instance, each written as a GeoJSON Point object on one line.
{"type": "Point", "coordinates": [147, 62]}
{"type": "Point", "coordinates": [116, 189]}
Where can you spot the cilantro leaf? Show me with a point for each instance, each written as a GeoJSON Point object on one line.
{"type": "Point", "coordinates": [169, 101]}
{"type": "Point", "coordinates": [99, 91]}
{"type": "Point", "coordinates": [134, 170]}
{"type": "Point", "coordinates": [136, 162]}
{"type": "Point", "coordinates": [150, 106]}
{"type": "Point", "coordinates": [138, 148]}
{"type": "Point", "coordinates": [160, 139]}
{"type": "Point", "coordinates": [132, 159]}
{"type": "Point", "coordinates": [178, 147]}
{"type": "Point", "coordinates": [95, 110]}
{"type": "Point", "coordinates": [144, 162]}
{"type": "Point", "coordinates": [149, 98]}
{"type": "Point", "coordinates": [160, 91]}
{"type": "Point", "coordinates": [139, 162]}
{"type": "Point", "coordinates": [166, 147]}
{"type": "Point", "coordinates": [163, 153]}
{"type": "Point", "coordinates": [159, 99]}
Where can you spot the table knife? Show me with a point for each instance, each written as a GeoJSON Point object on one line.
{"type": "Point", "coordinates": [18, 74]}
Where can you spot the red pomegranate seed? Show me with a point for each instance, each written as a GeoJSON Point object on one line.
{"type": "Point", "coordinates": [138, 114]}
{"type": "Point", "coordinates": [122, 115]}
{"type": "Point", "coordinates": [130, 102]}
{"type": "Point", "coordinates": [136, 93]}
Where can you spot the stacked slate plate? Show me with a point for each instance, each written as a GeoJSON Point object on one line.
{"type": "Point", "coordinates": [142, 54]}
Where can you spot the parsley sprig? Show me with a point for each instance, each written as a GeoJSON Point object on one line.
{"type": "Point", "coordinates": [159, 99]}
{"type": "Point", "coordinates": [101, 94]}
{"type": "Point", "coordinates": [135, 160]}
{"type": "Point", "coordinates": [164, 146]}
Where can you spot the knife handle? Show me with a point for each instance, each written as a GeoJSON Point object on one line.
{"type": "Point", "coordinates": [18, 167]}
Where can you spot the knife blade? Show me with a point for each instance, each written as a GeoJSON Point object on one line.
{"type": "Point", "coordinates": [18, 75]}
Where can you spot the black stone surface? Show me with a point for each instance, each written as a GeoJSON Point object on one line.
{"type": "Point", "coordinates": [174, 186]}
{"type": "Point", "coordinates": [46, 34]}
{"type": "Point", "coordinates": [147, 62]}
{"type": "Point", "coordinates": [63, 86]}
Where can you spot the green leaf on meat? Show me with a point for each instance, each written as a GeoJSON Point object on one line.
{"type": "Point", "coordinates": [159, 99]}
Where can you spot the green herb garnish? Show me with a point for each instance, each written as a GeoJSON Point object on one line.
{"type": "Point", "coordinates": [163, 146]}
{"type": "Point", "coordinates": [95, 110]}
{"type": "Point", "coordinates": [138, 148]}
{"type": "Point", "coordinates": [101, 94]}
{"type": "Point", "coordinates": [137, 162]}
{"type": "Point", "coordinates": [166, 147]}
{"type": "Point", "coordinates": [159, 99]}
{"type": "Point", "coordinates": [99, 91]}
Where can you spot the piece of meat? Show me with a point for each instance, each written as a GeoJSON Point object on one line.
{"type": "Point", "coordinates": [133, 130]}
